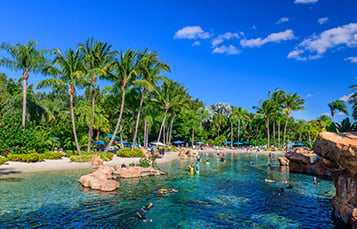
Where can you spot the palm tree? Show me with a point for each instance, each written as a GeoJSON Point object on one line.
{"type": "Point", "coordinates": [125, 72]}
{"type": "Point", "coordinates": [265, 110]}
{"type": "Point", "coordinates": [70, 74]}
{"type": "Point", "coordinates": [98, 60]}
{"type": "Point", "coordinates": [278, 98]}
{"type": "Point", "coordinates": [337, 105]}
{"type": "Point", "coordinates": [292, 102]}
{"type": "Point", "coordinates": [241, 115]}
{"type": "Point", "coordinates": [149, 69]}
{"type": "Point", "coordinates": [25, 58]}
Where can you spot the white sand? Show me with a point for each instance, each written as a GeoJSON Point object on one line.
{"type": "Point", "coordinates": [12, 167]}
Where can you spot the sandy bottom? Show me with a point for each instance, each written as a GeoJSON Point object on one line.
{"type": "Point", "coordinates": [12, 167]}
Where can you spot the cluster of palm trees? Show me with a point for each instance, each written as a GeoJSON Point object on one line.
{"type": "Point", "coordinates": [139, 104]}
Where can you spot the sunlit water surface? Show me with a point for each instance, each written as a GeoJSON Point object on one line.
{"type": "Point", "coordinates": [224, 195]}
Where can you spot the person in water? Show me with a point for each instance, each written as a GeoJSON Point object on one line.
{"type": "Point", "coordinates": [197, 167]}
{"type": "Point", "coordinates": [223, 159]}
{"type": "Point", "coordinates": [148, 207]}
{"type": "Point", "coordinates": [142, 218]}
{"type": "Point", "coordinates": [198, 158]}
{"type": "Point", "coordinates": [315, 181]}
{"type": "Point", "coordinates": [290, 186]}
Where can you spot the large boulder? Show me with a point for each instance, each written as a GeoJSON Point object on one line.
{"type": "Point", "coordinates": [137, 171]}
{"type": "Point", "coordinates": [283, 161]}
{"type": "Point", "coordinates": [96, 161]}
{"type": "Point", "coordinates": [187, 152]}
{"type": "Point", "coordinates": [338, 152]}
{"type": "Point", "coordinates": [98, 180]}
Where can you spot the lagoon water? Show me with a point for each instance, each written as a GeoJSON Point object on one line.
{"type": "Point", "coordinates": [224, 195]}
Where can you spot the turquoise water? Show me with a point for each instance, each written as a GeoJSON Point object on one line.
{"type": "Point", "coordinates": [225, 195]}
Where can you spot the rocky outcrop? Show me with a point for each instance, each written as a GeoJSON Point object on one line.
{"type": "Point", "coordinates": [96, 161]}
{"type": "Point", "coordinates": [283, 161]}
{"type": "Point", "coordinates": [145, 153]}
{"type": "Point", "coordinates": [339, 152]}
{"type": "Point", "coordinates": [187, 152]}
{"type": "Point", "coordinates": [99, 180]}
{"type": "Point", "coordinates": [137, 171]}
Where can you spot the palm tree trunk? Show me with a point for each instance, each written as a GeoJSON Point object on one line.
{"type": "Point", "coordinates": [310, 139]}
{"type": "Point", "coordinates": [98, 133]}
{"type": "Point", "coordinates": [171, 124]}
{"type": "Point", "coordinates": [333, 115]}
{"type": "Point", "coordinates": [274, 133]}
{"type": "Point", "coordinates": [73, 122]}
{"type": "Point", "coordinates": [145, 146]}
{"type": "Point", "coordinates": [121, 135]}
{"type": "Point", "coordinates": [162, 124]}
{"type": "Point", "coordinates": [238, 129]}
{"type": "Point", "coordinates": [286, 123]}
{"type": "Point", "coordinates": [256, 135]}
{"type": "Point", "coordinates": [278, 134]}
{"type": "Point", "coordinates": [90, 131]}
{"type": "Point", "coordinates": [138, 118]}
{"type": "Point", "coordinates": [193, 136]}
{"type": "Point", "coordinates": [231, 134]}
{"type": "Point", "coordinates": [25, 76]}
{"type": "Point", "coordinates": [118, 123]}
{"type": "Point", "coordinates": [163, 135]}
{"type": "Point", "coordinates": [268, 132]}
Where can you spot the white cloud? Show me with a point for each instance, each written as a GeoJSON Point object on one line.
{"type": "Point", "coordinates": [225, 36]}
{"type": "Point", "coordinates": [352, 59]}
{"type": "Point", "coordinates": [274, 37]}
{"type": "Point", "coordinates": [315, 46]}
{"type": "Point", "coordinates": [322, 20]}
{"type": "Point", "coordinates": [306, 1]}
{"type": "Point", "coordinates": [192, 32]}
{"type": "Point", "coordinates": [229, 50]}
{"type": "Point", "coordinates": [282, 20]}
{"type": "Point", "coordinates": [196, 43]}
{"type": "Point", "coordinates": [346, 98]}
{"type": "Point", "coordinates": [308, 95]}
{"type": "Point", "coordinates": [340, 113]}
{"type": "Point", "coordinates": [326, 113]}
{"type": "Point", "coordinates": [254, 27]}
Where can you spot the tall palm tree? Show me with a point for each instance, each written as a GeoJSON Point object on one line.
{"type": "Point", "coordinates": [292, 102]}
{"type": "Point", "coordinates": [149, 69]}
{"type": "Point", "coordinates": [337, 105]}
{"type": "Point", "coordinates": [125, 72]}
{"type": "Point", "coordinates": [98, 60]}
{"type": "Point", "coordinates": [25, 58]}
{"type": "Point", "coordinates": [241, 115]}
{"type": "Point", "coordinates": [68, 71]}
{"type": "Point", "coordinates": [265, 110]}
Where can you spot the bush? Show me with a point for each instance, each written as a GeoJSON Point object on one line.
{"type": "Point", "coordinates": [70, 153]}
{"type": "Point", "coordinates": [86, 157]}
{"type": "Point", "coordinates": [32, 157]}
{"type": "Point", "coordinates": [3, 160]}
{"type": "Point", "coordinates": [128, 153]}
{"type": "Point", "coordinates": [172, 148]}
{"type": "Point", "coordinates": [83, 158]}
{"type": "Point", "coordinates": [52, 155]}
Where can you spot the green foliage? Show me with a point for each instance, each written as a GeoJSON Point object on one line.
{"type": "Point", "coordinates": [53, 155]}
{"type": "Point", "coordinates": [128, 153]}
{"type": "Point", "coordinates": [3, 160]}
{"type": "Point", "coordinates": [147, 162]}
{"type": "Point", "coordinates": [86, 157]}
{"type": "Point", "coordinates": [32, 157]}
{"type": "Point", "coordinates": [172, 148]}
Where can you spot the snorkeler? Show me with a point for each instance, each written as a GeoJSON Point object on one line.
{"type": "Point", "coordinates": [290, 186]}
{"type": "Point", "coordinates": [142, 217]}
{"type": "Point", "coordinates": [315, 181]}
{"type": "Point", "coordinates": [148, 207]}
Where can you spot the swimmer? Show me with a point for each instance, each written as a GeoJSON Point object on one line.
{"type": "Point", "coordinates": [162, 190]}
{"type": "Point", "coordinates": [198, 157]}
{"type": "Point", "coordinates": [172, 190]}
{"type": "Point", "coordinates": [142, 217]}
{"type": "Point", "coordinates": [148, 207]}
{"type": "Point", "coordinates": [315, 181]}
{"type": "Point", "coordinates": [197, 168]}
{"type": "Point", "coordinates": [290, 186]}
{"type": "Point", "coordinates": [223, 159]}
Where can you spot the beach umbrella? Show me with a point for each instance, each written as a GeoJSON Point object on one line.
{"type": "Point", "coordinates": [238, 143]}
{"type": "Point", "coordinates": [226, 142]}
{"type": "Point", "coordinates": [158, 144]}
{"type": "Point", "coordinates": [99, 143]}
{"type": "Point", "coordinates": [110, 136]}
{"type": "Point", "coordinates": [178, 142]}
{"type": "Point", "coordinates": [298, 144]}
{"type": "Point", "coordinates": [153, 141]}
{"type": "Point", "coordinates": [247, 143]}
{"type": "Point", "coordinates": [200, 143]}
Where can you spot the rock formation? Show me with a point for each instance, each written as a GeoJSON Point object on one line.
{"type": "Point", "coordinates": [339, 151]}
{"type": "Point", "coordinates": [187, 152]}
{"type": "Point", "coordinates": [96, 161]}
{"type": "Point", "coordinates": [283, 161]}
{"type": "Point", "coordinates": [137, 171]}
{"type": "Point", "coordinates": [98, 180]}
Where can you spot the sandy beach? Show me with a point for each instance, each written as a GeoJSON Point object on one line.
{"type": "Point", "coordinates": [12, 167]}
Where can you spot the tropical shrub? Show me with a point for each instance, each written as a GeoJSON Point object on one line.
{"type": "Point", "coordinates": [3, 160]}
{"type": "Point", "coordinates": [32, 157]}
{"type": "Point", "coordinates": [172, 148]}
{"type": "Point", "coordinates": [86, 157]}
{"type": "Point", "coordinates": [83, 158]}
{"type": "Point", "coordinates": [146, 162]}
{"type": "Point", "coordinates": [128, 153]}
{"type": "Point", "coordinates": [52, 155]}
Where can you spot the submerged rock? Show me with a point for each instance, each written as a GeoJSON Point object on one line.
{"type": "Point", "coordinates": [98, 180]}
{"type": "Point", "coordinates": [283, 161]}
{"type": "Point", "coordinates": [137, 171]}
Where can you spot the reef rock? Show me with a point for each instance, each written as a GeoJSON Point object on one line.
{"type": "Point", "coordinates": [339, 152]}
{"type": "Point", "coordinates": [96, 161]}
{"type": "Point", "coordinates": [137, 171]}
{"type": "Point", "coordinates": [98, 180]}
{"type": "Point", "coordinates": [187, 152]}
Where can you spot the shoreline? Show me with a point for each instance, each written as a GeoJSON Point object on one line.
{"type": "Point", "coordinates": [14, 167]}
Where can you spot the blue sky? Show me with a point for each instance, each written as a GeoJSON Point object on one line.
{"type": "Point", "coordinates": [223, 51]}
